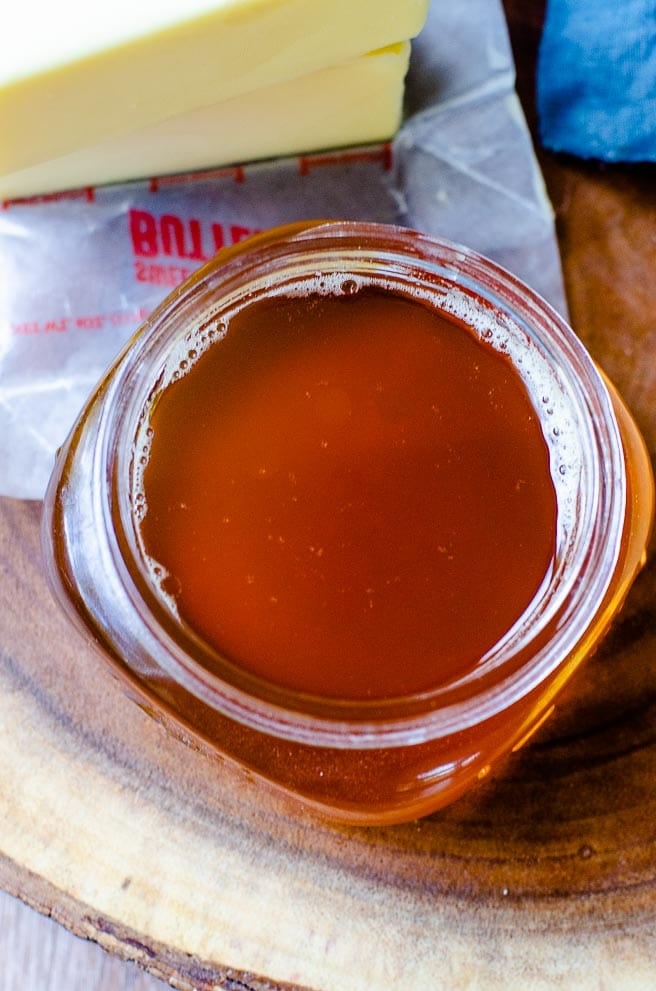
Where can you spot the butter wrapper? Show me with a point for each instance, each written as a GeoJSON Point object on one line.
{"type": "Point", "coordinates": [80, 271]}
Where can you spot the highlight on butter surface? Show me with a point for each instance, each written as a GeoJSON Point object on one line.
{"type": "Point", "coordinates": [350, 510]}
{"type": "Point", "coordinates": [81, 87]}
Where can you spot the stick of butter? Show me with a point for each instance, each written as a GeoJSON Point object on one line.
{"type": "Point", "coordinates": [355, 103]}
{"type": "Point", "coordinates": [72, 75]}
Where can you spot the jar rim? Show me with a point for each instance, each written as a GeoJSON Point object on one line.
{"type": "Point", "coordinates": [535, 651]}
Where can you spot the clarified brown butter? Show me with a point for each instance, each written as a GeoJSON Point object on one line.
{"type": "Point", "coordinates": [349, 495]}
{"type": "Point", "coordinates": [350, 510]}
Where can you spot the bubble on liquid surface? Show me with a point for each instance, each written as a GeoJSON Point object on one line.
{"type": "Point", "coordinates": [170, 586]}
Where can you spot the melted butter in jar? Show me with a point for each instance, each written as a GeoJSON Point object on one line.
{"type": "Point", "coordinates": [349, 511]}
{"type": "Point", "coordinates": [350, 496]}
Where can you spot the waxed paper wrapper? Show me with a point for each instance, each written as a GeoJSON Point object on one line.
{"type": "Point", "coordinates": [80, 271]}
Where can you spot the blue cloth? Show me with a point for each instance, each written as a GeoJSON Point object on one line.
{"type": "Point", "coordinates": [596, 83]}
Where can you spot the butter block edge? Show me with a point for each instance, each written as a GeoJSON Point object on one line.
{"type": "Point", "coordinates": [359, 102]}
{"type": "Point", "coordinates": [212, 59]}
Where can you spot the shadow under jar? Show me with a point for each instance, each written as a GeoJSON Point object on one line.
{"type": "Point", "coordinates": [350, 509]}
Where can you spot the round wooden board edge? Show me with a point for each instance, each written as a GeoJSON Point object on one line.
{"type": "Point", "coordinates": [181, 970]}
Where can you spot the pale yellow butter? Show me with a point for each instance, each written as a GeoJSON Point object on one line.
{"type": "Point", "coordinates": [358, 102]}
{"type": "Point", "coordinates": [74, 74]}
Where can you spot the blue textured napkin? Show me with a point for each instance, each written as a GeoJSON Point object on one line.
{"type": "Point", "coordinates": [596, 86]}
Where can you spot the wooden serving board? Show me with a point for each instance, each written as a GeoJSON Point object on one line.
{"type": "Point", "coordinates": [545, 877]}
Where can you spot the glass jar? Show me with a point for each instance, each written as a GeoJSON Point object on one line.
{"type": "Point", "coordinates": [367, 762]}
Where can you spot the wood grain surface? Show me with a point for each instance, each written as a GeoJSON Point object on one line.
{"type": "Point", "coordinates": [36, 954]}
{"type": "Point", "coordinates": [545, 877]}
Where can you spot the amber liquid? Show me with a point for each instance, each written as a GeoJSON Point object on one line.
{"type": "Point", "coordinates": [350, 495]}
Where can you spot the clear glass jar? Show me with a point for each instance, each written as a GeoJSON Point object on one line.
{"type": "Point", "coordinates": [363, 762]}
